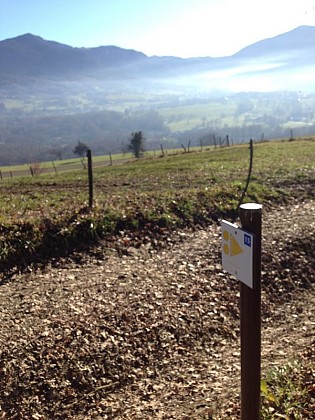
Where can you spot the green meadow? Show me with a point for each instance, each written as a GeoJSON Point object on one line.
{"type": "Point", "coordinates": [50, 211]}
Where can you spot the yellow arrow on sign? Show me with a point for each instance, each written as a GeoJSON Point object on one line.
{"type": "Point", "coordinates": [235, 248]}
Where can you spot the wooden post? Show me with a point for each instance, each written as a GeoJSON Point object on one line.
{"type": "Point", "coordinates": [54, 166]}
{"type": "Point", "coordinates": [162, 149]}
{"type": "Point", "coordinates": [110, 160]}
{"type": "Point", "coordinates": [90, 172]}
{"type": "Point", "coordinates": [250, 305]}
{"type": "Point", "coordinates": [83, 163]}
{"type": "Point", "coordinates": [291, 131]}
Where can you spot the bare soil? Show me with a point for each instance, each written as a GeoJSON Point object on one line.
{"type": "Point", "coordinates": [151, 332]}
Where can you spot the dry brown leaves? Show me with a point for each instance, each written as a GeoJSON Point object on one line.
{"type": "Point", "coordinates": [152, 333]}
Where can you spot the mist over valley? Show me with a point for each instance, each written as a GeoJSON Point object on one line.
{"type": "Point", "coordinates": [53, 95]}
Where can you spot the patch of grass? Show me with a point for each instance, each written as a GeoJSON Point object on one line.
{"type": "Point", "coordinates": [287, 392]}
{"type": "Point", "coordinates": [187, 117]}
{"type": "Point", "coordinates": [148, 194]}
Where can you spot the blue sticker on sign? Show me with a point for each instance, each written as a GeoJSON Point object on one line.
{"type": "Point", "coordinates": [247, 240]}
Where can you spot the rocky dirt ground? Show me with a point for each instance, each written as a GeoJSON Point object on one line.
{"type": "Point", "coordinates": [151, 332]}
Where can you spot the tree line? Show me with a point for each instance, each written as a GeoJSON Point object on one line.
{"type": "Point", "coordinates": [135, 146]}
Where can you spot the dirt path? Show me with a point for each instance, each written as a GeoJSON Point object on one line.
{"type": "Point", "coordinates": [152, 334]}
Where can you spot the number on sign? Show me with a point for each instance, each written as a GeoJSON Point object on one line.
{"type": "Point", "coordinates": [247, 240]}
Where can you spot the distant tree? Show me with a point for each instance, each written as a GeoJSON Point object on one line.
{"type": "Point", "coordinates": [136, 145]}
{"type": "Point", "coordinates": [80, 149]}
{"type": "Point", "coordinates": [56, 152]}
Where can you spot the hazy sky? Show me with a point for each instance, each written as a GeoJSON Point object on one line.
{"type": "Point", "coordinates": [183, 28]}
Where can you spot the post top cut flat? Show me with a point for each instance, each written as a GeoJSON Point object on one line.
{"type": "Point", "coordinates": [251, 206]}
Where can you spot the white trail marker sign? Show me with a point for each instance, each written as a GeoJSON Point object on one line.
{"type": "Point", "coordinates": [237, 252]}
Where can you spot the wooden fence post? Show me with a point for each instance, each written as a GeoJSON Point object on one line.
{"type": "Point", "coordinates": [83, 163]}
{"type": "Point", "coordinates": [250, 305]}
{"type": "Point", "coordinates": [54, 166]}
{"type": "Point", "coordinates": [90, 172]}
{"type": "Point", "coordinates": [291, 136]}
{"type": "Point", "coordinates": [162, 150]}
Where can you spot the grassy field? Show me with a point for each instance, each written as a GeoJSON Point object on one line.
{"type": "Point", "coordinates": [61, 164]}
{"type": "Point", "coordinates": [75, 163]}
{"type": "Point", "coordinates": [50, 212]}
{"type": "Point", "coordinates": [189, 116]}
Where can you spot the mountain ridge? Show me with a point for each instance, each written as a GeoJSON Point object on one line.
{"type": "Point", "coordinates": [30, 57]}
{"type": "Point", "coordinates": [297, 34]}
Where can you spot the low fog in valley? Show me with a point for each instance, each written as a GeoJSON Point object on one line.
{"type": "Point", "coordinates": [53, 96]}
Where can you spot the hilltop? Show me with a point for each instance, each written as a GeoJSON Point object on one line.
{"type": "Point", "coordinates": [29, 57]}
{"type": "Point", "coordinates": [53, 95]}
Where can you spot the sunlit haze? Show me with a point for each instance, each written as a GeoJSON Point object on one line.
{"type": "Point", "coordinates": [181, 28]}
